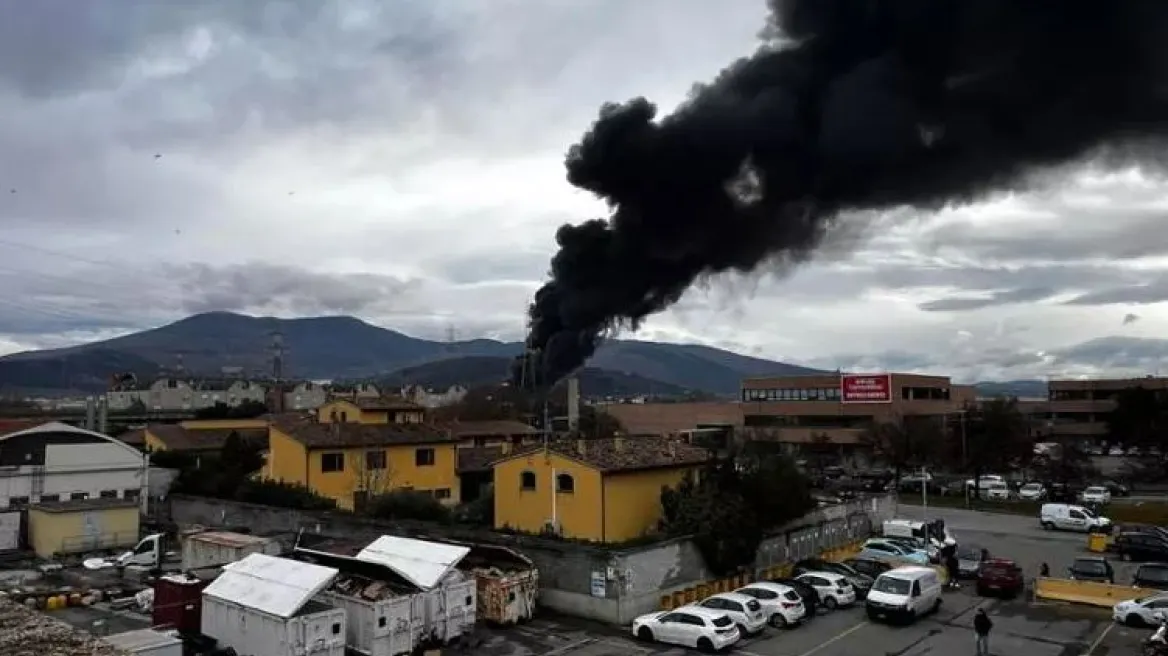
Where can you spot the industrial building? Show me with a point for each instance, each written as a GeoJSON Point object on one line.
{"type": "Point", "coordinates": [1078, 409]}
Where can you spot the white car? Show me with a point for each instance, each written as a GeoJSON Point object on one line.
{"type": "Point", "coordinates": [745, 611]}
{"type": "Point", "coordinates": [781, 605]}
{"type": "Point", "coordinates": [833, 589]}
{"type": "Point", "coordinates": [1032, 492]}
{"type": "Point", "coordinates": [688, 626]}
{"type": "Point", "coordinates": [985, 481]}
{"type": "Point", "coordinates": [1137, 612]}
{"type": "Point", "coordinates": [1095, 494]}
{"type": "Point", "coordinates": [996, 491]}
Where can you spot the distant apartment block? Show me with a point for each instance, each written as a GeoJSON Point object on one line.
{"type": "Point", "coordinates": [178, 394]}
{"type": "Point", "coordinates": [1078, 409]}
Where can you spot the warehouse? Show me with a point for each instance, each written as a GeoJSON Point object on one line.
{"type": "Point", "coordinates": [265, 606]}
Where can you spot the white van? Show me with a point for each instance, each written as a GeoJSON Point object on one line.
{"type": "Point", "coordinates": [1067, 517]}
{"type": "Point", "coordinates": [904, 594]}
{"type": "Point", "coordinates": [931, 534]}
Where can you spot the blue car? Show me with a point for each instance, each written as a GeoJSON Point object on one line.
{"type": "Point", "coordinates": [885, 550]}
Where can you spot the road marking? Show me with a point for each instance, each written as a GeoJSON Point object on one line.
{"type": "Point", "coordinates": [814, 650]}
{"type": "Point", "coordinates": [1094, 645]}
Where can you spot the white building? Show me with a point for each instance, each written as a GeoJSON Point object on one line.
{"type": "Point", "coordinates": [58, 462]}
{"type": "Point", "coordinates": [178, 394]}
{"type": "Point", "coordinates": [431, 398]}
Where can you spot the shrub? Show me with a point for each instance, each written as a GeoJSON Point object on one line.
{"type": "Point", "coordinates": [408, 505]}
{"type": "Point", "coordinates": [282, 495]}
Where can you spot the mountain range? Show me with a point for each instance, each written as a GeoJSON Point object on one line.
{"type": "Point", "coordinates": [346, 348]}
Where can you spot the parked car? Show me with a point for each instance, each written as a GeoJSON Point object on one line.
{"type": "Point", "coordinates": [688, 626]}
{"type": "Point", "coordinates": [1116, 488]}
{"type": "Point", "coordinates": [1150, 529]}
{"type": "Point", "coordinates": [930, 550]}
{"type": "Point", "coordinates": [1000, 576]}
{"type": "Point", "coordinates": [744, 610]}
{"type": "Point", "coordinates": [1140, 612]}
{"type": "Point", "coordinates": [878, 549]}
{"type": "Point", "coordinates": [1032, 492]}
{"type": "Point", "coordinates": [834, 590]}
{"type": "Point", "coordinates": [868, 566]}
{"type": "Point", "coordinates": [860, 582]}
{"type": "Point", "coordinates": [1096, 494]}
{"type": "Point", "coordinates": [806, 592]}
{"type": "Point", "coordinates": [1092, 568]}
{"type": "Point", "coordinates": [996, 491]}
{"type": "Point", "coordinates": [1140, 546]}
{"type": "Point", "coordinates": [969, 560]}
{"type": "Point", "coordinates": [781, 604]}
{"type": "Point", "coordinates": [1151, 576]}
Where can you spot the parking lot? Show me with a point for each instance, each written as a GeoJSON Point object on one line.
{"type": "Point", "coordinates": [1021, 626]}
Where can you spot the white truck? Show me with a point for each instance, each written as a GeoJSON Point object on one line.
{"type": "Point", "coordinates": [198, 549]}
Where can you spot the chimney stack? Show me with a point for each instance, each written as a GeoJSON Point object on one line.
{"type": "Point", "coordinates": [582, 447]}
{"type": "Point", "coordinates": [573, 403]}
{"type": "Point", "coordinates": [618, 443]}
{"type": "Point", "coordinates": [672, 449]}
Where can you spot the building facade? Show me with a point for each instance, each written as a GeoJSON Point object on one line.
{"type": "Point", "coordinates": [837, 409]}
{"type": "Point", "coordinates": [181, 394]}
{"type": "Point", "coordinates": [1078, 409]}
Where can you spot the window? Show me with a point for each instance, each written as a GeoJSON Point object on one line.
{"type": "Point", "coordinates": [527, 481]}
{"type": "Point", "coordinates": [332, 462]}
{"type": "Point", "coordinates": [344, 417]}
{"type": "Point", "coordinates": [132, 493]}
{"type": "Point", "coordinates": [49, 498]}
{"type": "Point", "coordinates": [108, 494]}
{"type": "Point", "coordinates": [381, 622]}
{"type": "Point", "coordinates": [78, 496]}
{"type": "Point", "coordinates": [18, 501]}
{"type": "Point", "coordinates": [424, 457]}
{"type": "Point", "coordinates": [375, 460]}
{"type": "Point", "coordinates": [442, 493]}
{"type": "Point", "coordinates": [565, 483]}
{"type": "Point", "coordinates": [337, 628]}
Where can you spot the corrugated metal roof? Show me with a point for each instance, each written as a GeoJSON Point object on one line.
{"type": "Point", "coordinates": [272, 585]}
{"type": "Point", "coordinates": [419, 562]}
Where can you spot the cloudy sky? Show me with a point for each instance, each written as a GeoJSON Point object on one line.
{"type": "Point", "coordinates": [403, 162]}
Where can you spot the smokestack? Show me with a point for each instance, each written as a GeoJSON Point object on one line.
{"type": "Point", "coordinates": [573, 403]}
{"type": "Point", "coordinates": [90, 412]}
{"type": "Point", "coordinates": [102, 415]}
{"type": "Point", "coordinates": [849, 109]}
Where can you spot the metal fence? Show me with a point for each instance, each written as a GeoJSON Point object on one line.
{"type": "Point", "coordinates": [826, 529]}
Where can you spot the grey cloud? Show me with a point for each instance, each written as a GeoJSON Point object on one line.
{"type": "Point", "coordinates": [472, 268]}
{"type": "Point", "coordinates": [1154, 291]}
{"type": "Point", "coordinates": [1129, 319]}
{"type": "Point", "coordinates": [1002, 297]}
{"type": "Point", "coordinates": [1129, 354]}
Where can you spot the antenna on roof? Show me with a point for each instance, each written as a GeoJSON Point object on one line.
{"type": "Point", "coordinates": [278, 352]}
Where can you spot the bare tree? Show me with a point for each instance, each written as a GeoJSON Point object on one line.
{"type": "Point", "coordinates": [372, 475]}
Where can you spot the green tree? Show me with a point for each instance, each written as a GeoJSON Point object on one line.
{"type": "Point", "coordinates": [245, 410]}
{"type": "Point", "coordinates": [732, 504]}
{"type": "Point", "coordinates": [906, 443]}
{"type": "Point", "coordinates": [996, 437]}
{"type": "Point", "coordinates": [1140, 419]}
{"type": "Point", "coordinates": [238, 460]}
{"type": "Point", "coordinates": [408, 505]}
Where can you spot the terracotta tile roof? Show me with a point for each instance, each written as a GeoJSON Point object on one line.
{"type": "Point", "coordinates": [316, 435]}
{"type": "Point", "coordinates": [671, 418]}
{"type": "Point", "coordinates": [177, 438]}
{"type": "Point", "coordinates": [386, 404]}
{"type": "Point", "coordinates": [614, 455]}
{"type": "Point", "coordinates": [478, 458]}
{"type": "Point", "coordinates": [501, 428]}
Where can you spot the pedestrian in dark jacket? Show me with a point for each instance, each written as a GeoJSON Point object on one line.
{"type": "Point", "coordinates": [981, 626]}
{"type": "Point", "coordinates": [954, 570]}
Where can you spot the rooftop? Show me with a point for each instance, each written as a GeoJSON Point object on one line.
{"type": "Point", "coordinates": [339, 434]}
{"type": "Point", "coordinates": [84, 505]}
{"type": "Point", "coordinates": [25, 631]}
{"type": "Point", "coordinates": [500, 428]}
{"type": "Point", "coordinates": [478, 458]}
{"type": "Point", "coordinates": [272, 585]}
{"type": "Point", "coordinates": [615, 455]}
{"type": "Point", "coordinates": [672, 418]}
{"type": "Point", "coordinates": [178, 438]}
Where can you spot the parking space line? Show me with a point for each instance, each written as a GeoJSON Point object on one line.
{"type": "Point", "coordinates": [1095, 645]}
{"type": "Point", "coordinates": [821, 645]}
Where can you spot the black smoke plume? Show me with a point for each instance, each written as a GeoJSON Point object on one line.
{"type": "Point", "coordinates": [848, 105]}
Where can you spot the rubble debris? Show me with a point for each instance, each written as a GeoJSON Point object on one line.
{"type": "Point", "coordinates": [25, 632]}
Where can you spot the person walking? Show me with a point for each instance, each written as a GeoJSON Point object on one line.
{"type": "Point", "coordinates": [981, 626]}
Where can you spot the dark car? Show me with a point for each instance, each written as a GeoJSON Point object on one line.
{"type": "Point", "coordinates": [969, 560]}
{"type": "Point", "coordinates": [806, 592]}
{"type": "Point", "coordinates": [1092, 568]}
{"type": "Point", "coordinates": [868, 567]}
{"type": "Point", "coordinates": [1151, 576]}
{"type": "Point", "coordinates": [1150, 529]}
{"type": "Point", "coordinates": [1138, 545]}
{"type": "Point", "coordinates": [1000, 576]}
{"type": "Point", "coordinates": [1116, 488]}
{"type": "Point", "coordinates": [861, 582]}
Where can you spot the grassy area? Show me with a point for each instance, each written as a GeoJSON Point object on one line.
{"type": "Point", "coordinates": [1133, 513]}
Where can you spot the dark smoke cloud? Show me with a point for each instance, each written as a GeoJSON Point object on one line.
{"type": "Point", "coordinates": [865, 105]}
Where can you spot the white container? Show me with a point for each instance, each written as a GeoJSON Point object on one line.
{"type": "Point", "coordinates": [451, 607]}
{"type": "Point", "coordinates": [381, 628]}
{"type": "Point", "coordinates": [218, 548]}
{"type": "Point", "coordinates": [318, 630]}
{"type": "Point", "coordinates": [146, 642]}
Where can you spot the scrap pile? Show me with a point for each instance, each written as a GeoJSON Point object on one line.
{"type": "Point", "coordinates": [360, 587]}
{"type": "Point", "coordinates": [25, 632]}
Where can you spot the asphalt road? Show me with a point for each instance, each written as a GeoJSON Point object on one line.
{"type": "Point", "coordinates": [1022, 626]}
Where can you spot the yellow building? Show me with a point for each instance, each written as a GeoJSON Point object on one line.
{"type": "Point", "coordinates": [606, 490]}
{"type": "Point", "coordinates": [83, 525]}
{"type": "Point", "coordinates": [350, 462]}
{"type": "Point", "coordinates": [371, 411]}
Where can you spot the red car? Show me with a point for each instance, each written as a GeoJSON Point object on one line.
{"type": "Point", "coordinates": [1000, 576]}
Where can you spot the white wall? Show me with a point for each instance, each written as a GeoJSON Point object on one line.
{"type": "Point", "coordinates": [75, 468]}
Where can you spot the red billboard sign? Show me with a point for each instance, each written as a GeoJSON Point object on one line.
{"type": "Point", "coordinates": [866, 388]}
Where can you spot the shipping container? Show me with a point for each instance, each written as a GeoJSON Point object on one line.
{"type": "Point", "coordinates": [217, 548]}
{"type": "Point", "coordinates": [506, 582]}
{"type": "Point", "coordinates": [146, 642]}
{"type": "Point", "coordinates": [178, 602]}
{"type": "Point", "coordinates": [431, 567]}
{"type": "Point", "coordinates": [266, 606]}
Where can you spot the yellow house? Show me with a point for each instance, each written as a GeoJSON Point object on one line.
{"type": "Point", "coordinates": [371, 411]}
{"type": "Point", "coordinates": [606, 490]}
{"type": "Point", "coordinates": [350, 462]}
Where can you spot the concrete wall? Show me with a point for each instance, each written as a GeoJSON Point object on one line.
{"type": "Point", "coordinates": [606, 585]}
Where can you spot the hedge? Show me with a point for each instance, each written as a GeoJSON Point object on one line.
{"type": "Point", "coordinates": [1119, 513]}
